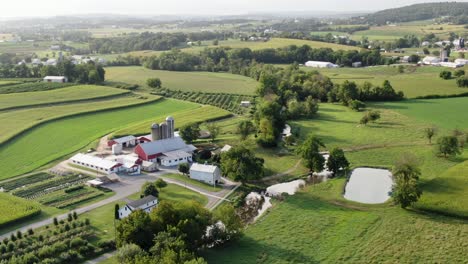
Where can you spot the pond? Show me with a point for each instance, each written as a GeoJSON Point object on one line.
{"type": "Point", "coordinates": [370, 186]}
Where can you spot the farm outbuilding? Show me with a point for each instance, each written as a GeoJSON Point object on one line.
{"type": "Point", "coordinates": [430, 60]}
{"type": "Point", "coordinates": [320, 64]}
{"type": "Point", "coordinates": [206, 173]}
{"type": "Point", "coordinates": [56, 79]}
{"type": "Point", "coordinates": [96, 163]}
{"type": "Point", "coordinates": [357, 64]}
{"type": "Point", "coordinates": [174, 158]}
{"type": "Point", "coordinates": [145, 204]}
{"type": "Point", "coordinates": [245, 103]}
{"type": "Point", "coordinates": [128, 141]}
{"type": "Point", "coordinates": [153, 150]}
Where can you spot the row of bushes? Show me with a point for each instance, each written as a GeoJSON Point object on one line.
{"type": "Point", "coordinates": [33, 87]}
{"type": "Point", "coordinates": [24, 181]}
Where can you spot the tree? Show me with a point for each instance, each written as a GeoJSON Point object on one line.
{"type": "Point", "coordinates": [214, 130]}
{"type": "Point", "coordinates": [240, 164]}
{"type": "Point", "coordinates": [149, 188]}
{"type": "Point", "coordinates": [406, 190]}
{"type": "Point", "coordinates": [128, 252]}
{"type": "Point", "coordinates": [215, 42]}
{"type": "Point", "coordinates": [430, 132]}
{"type": "Point", "coordinates": [190, 132]}
{"type": "Point", "coordinates": [364, 120]}
{"type": "Point", "coordinates": [116, 212]}
{"type": "Point", "coordinates": [373, 116]}
{"type": "Point", "coordinates": [136, 229]}
{"type": "Point", "coordinates": [160, 183]}
{"type": "Point", "coordinates": [462, 81]}
{"type": "Point", "coordinates": [426, 51]}
{"type": "Point", "coordinates": [357, 105]}
{"type": "Point", "coordinates": [448, 146]}
{"type": "Point", "coordinates": [446, 75]}
{"type": "Point", "coordinates": [154, 82]}
{"type": "Point", "coordinates": [337, 161]}
{"type": "Point", "coordinates": [245, 128]}
{"type": "Point", "coordinates": [310, 153]}
{"type": "Point", "coordinates": [184, 168]}
{"type": "Point", "coordinates": [459, 73]}
{"type": "Point", "coordinates": [227, 227]}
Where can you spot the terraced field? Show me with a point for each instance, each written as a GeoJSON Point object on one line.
{"type": "Point", "coordinates": [64, 95]}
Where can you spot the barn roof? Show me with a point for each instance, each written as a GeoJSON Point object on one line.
{"type": "Point", "coordinates": [95, 161]}
{"type": "Point", "coordinates": [124, 139]}
{"type": "Point", "coordinates": [203, 168]}
{"type": "Point", "coordinates": [138, 203]}
{"type": "Point", "coordinates": [166, 145]}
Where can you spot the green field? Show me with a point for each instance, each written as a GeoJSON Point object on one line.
{"type": "Point", "coordinates": [313, 227]}
{"type": "Point", "coordinates": [182, 117]}
{"type": "Point", "coordinates": [416, 81]}
{"type": "Point", "coordinates": [64, 95]}
{"type": "Point", "coordinates": [208, 82]}
{"type": "Point", "coordinates": [102, 217]}
{"type": "Point", "coordinates": [59, 138]}
{"type": "Point", "coordinates": [15, 208]}
{"type": "Point", "coordinates": [14, 122]}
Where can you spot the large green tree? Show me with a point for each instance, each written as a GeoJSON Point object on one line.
{"type": "Point", "coordinates": [245, 128]}
{"type": "Point", "coordinates": [240, 164]}
{"type": "Point", "coordinates": [310, 153]}
{"type": "Point", "coordinates": [448, 146]}
{"type": "Point", "coordinates": [406, 190]}
{"type": "Point", "coordinates": [190, 132]}
{"type": "Point", "coordinates": [136, 229]}
{"type": "Point", "coordinates": [337, 160]}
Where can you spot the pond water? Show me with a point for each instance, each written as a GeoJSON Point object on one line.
{"type": "Point", "coordinates": [370, 186]}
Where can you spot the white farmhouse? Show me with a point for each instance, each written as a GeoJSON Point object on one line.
{"type": "Point", "coordinates": [206, 173]}
{"type": "Point", "coordinates": [56, 79]}
{"type": "Point", "coordinates": [146, 204]}
{"type": "Point", "coordinates": [320, 64]}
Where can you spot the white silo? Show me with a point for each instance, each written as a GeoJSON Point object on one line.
{"type": "Point", "coordinates": [155, 133]}
{"type": "Point", "coordinates": [117, 149]}
{"type": "Point", "coordinates": [170, 126]}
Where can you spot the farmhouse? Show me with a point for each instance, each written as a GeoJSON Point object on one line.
{"type": "Point", "coordinates": [56, 79]}
{"type": "Point", "coordinates": [128, 141]}
{"type": "Point", "coordinates": [96, 163]}
{"type": "Point", "coordinates": [206, 173]}
{"type": "Point", "coordinates": [320, 64]}
{"type": "Point", "coordinates": [145, 204]}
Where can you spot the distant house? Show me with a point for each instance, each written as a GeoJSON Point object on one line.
{"type": "Point", "coordinates": [405, 59]}
{"type": "Point", "coordinates": [56, 79]}
{"type": "Point", "coordinates": [245, 103]}
{"type": "Point", "coordinates": [145, 204]}
{"type": "Point", "coordinates": [320, 64]}
{"type": "Point", "coordinates": [206, 173]}
{"type": "Point", "coordinates": [357, 64]}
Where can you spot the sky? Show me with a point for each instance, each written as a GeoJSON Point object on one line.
{"type": "Point", "coordinates": [27, 8]}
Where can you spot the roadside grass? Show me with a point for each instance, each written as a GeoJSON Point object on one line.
{"type": "Point", "coordinates": [311, 227]}
{"type": "Point", "coordinates": [208, 82]}
{"type": "Point", "coordinates": [14, 122]}
{"type": "Point", "coordinates": [102, 217]}
{"type": "Point", "coordinates": [181, 117]}
{"type": "Point", "coordinates": [186, 179]}
{"type": "Point", "coordinates": [59, 138]}
{"type": "Point", "coordinates": [64, 95]}
{"type": "Point", "coordinates": [416, 81]}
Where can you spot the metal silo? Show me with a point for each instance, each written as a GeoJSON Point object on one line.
{"type": "Point", "coordinates": [163, 130]}
{"type": "Point", "coordinates": [170, 126]}
{"type": "Point", "coordinates": [155, 133]}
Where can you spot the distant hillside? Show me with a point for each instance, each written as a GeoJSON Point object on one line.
{"type": "Point", "coordinates": [418, 12]}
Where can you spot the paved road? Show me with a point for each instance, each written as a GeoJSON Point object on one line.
{"type": "Point", "coordinates": [129, 185]}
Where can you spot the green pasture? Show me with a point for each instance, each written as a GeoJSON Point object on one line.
{"type": "Point", "coordinates": [182, 117]}
{"type": "Point", "coordinates": [208, 82]}
{"type": "Point", "coordinates": [64, 95]}
{"type": "Point", "coordinates": [56, 139]}
{"type": "Point", "coordinates": [102, 218]}
{"type": "Point", "coordinates": [283, 42]}
{"type": "Point", "coordinates": [414, 82]}
{"type": "Point", "coordinates": [13, 122]}
{"type": "Point", "coordinates": [15, 208]}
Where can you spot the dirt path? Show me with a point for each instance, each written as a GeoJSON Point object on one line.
{"type": "Point", "coordinates": [102, 145]}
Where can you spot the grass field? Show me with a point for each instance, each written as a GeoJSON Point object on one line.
{"type": "Point", "coordinates": [102, 217]}
{"type": "Point", "coordinates": [182, 117]}
{"type": "Point", "coordinates": [312, 227]}
{"type": "Point", "coordinates": [59, 138]}
{"type": "Point", "coordinates": [15, 208]}
{"type": "Point", "coordinates": [185, 81]}
{"type": "Point", "coordinates": [416, 81]}
{"type": "Point", "coordinates": [69, 94]}
{"type": "Point", "coordinates": [13, 122]}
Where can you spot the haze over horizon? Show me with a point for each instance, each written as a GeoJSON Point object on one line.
{"type": "Point", "coordinates": [47, 8]}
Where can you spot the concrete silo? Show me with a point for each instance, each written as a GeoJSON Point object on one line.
{"type": "Point", "coordinates": [170, 126]}
{"type": "Point", "coordinates": [163, 130]}
{"type": "Point", "coordinates": [155, 132]}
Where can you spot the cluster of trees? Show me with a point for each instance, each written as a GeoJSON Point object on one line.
{"type": "Point", "coordinates": [450, 145]}
{"type": "Point", "coordinates": [173, 232]}
{"type": "Point", "coordinates": [460, 75]}
{"type": "Point", "coordinates": [241, 164]}
{"type": "Point", "coordinates": [233, 60]}
{"type": "Point", "coordinates": [406, 189]}
{"type": "Point", "coordinates": [151, 41]}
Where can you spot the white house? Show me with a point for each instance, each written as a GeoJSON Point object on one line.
{"type": "Point", "coordinates": [320, 64]}
{"type": "Point", "coordinates": [206, 173]}
{"type": "Point", "coordinates": [146, 204]}
{"type": "Point", "coordinates": [56, 79]}
{"type": "Point", "coordinates": [96, 163]}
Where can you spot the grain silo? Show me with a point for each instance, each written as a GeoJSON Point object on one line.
{"type": "Point", "coordinates": [163, 130]}
{"type": "Point", "coordinates": [155, 132]}
{"type": "Point", "coordinates": [170, 126]}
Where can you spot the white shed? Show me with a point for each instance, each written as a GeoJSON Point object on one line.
{"type": "Point", "coordinates": [206, 173]}
{"type": "Point", "coordinates": [320, 64]}
{"type": "Point", "coordinates": [56, 79]}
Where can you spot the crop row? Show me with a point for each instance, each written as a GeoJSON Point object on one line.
{"type": "Point", "coordinates": [42, 188]}
{"type": "Point", "coordinates": [32, 87]}
{"type": "Point", "coordinates": [79, 199]}
{"type": "Point", "coordinates": [24, 181]}
{"type": "Point", "coordinates": [60, 196]}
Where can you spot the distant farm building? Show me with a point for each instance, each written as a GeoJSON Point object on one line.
{"type": "Point", "coordinates": [461, 61]}
{"type": "Point", "coordinates": [128, 141]}
{"type": "Point", "coordinates": [96, 163]}
{"type": "Point", "coordinates": [245, 103]}
{"type": "Point", "coordinates": [206, 173]}
{"type": "Point", "coordinates": [430, 60]}
{"type": "Point", "coordinates": [56, 79]}
{"type": "Point", "coordinates": [320, 64]}
{"type": "Point", "coordinates": [145, 204]}
{"type": "Point", "coordinates": [357, 64]}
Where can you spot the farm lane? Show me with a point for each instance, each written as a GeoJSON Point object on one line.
{"type": "Point", "coordinates": [129, 185]}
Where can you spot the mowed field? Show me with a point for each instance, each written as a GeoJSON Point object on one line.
{"type": "Point", "coordinates": [185, 81]}
{"type": "Point", "coordinates": [69, 94]}
{"type": "Point", "coordinates": [55, 139]}
{"type": "Point", "coordinates": [15, 208]}
{"type": "Point", "coordinates": [414, 82]}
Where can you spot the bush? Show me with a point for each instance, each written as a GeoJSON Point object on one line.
{"type": "Point", "coordinates": [446, 75]}
{"type": "Point", "coordinates": [74, 188]}
{"type": "Point", "coordinates": [106, 244]}
{"type": "Point", "coordinates": [356, 105]}
{"type": "Point", "coordinates": [154, 82]}
{"type": "Point", "coordinates": [160, 183]}
{"type": "Point", "coordinates": [462, 82]}
{"type": "Point", "coordinates": [78, 242]}
{"type": "Point", "coordinates": [459, 73]}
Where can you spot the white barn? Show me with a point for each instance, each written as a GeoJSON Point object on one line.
{"type": "Point", "coordinates": [146, 204]}
{"type": "Point", "coordinates": [128, 141]}
{"type": "Point", "coordinates": [206, 173]}
{"type": "Point", "coordinates": [430, 60]}
{"type": "Point", "coordinates": [96, 163]}
{"type": "Point", "coordinates": [174, 158]}
{"type": "Point", "coordinates": [320, 64]}
{"type": "Point", "coordinates": [56, 79]}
